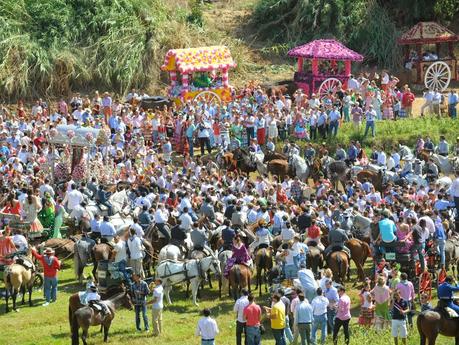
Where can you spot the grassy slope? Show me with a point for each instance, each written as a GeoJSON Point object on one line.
{"type": "Point", "coordinates": [43, 326]}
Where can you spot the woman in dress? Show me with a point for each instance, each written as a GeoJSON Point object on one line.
{"type": "Point", "coordinates": [31, 207]}
{"type": "Point", "coordinates": [47, 213]}
{"type": "Point", "coordinates": [12, 206]}
{"type": "Point", "coordinates": [381, 295]}
{"type": "Point", "coordinates": [273, 132]}
{"type": "Point", "coordinates": [60, 214]}
{"type": "Point", "coordinates": [240, 255]}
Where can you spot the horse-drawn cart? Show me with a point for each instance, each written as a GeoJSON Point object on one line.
{"type": "Point", "coordinates": [199, 74]}
{"type": "Point", "coordinates": [429, 55]}
{"type": "Point", "coordinates": [323, 66]}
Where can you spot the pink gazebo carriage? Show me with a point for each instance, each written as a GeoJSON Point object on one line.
{"type": "Point", "coordinates": [323, 66]}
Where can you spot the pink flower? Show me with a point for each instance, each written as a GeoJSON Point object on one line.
{"type": "Point", "coordinates": [70, 134]}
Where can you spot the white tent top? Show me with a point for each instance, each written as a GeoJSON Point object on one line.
{"type": "Point", "coordinates": [76, 135]}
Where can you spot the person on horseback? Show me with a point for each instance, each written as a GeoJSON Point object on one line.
{"type": "Point", "coordinates": [446, 293]}
{"type": "Point", "coordinates": [337, 237]}
{"type": "Point", "coordinates": [431, 170]}
{"type": "Point", "coordinates": [313, 237]}
{"type": "Point", "coordinates": [199, 239]}
{"type": "Point", "coordinates": [161, 218]}
{"type": "Point", "coordinates": [93, 299]}
{"type": "Point", "coordinates": [228, 235]}
{"type": "Point", "coordinates": [387, 233]}
{"type": "Point", "coordinates": [263, 237]}
{"type": "Point", "coordinates": [107, 230]}
{"type": "Point", "coordinates": [82, 217]}
{"type": "Point", "coordinates": [178, 237]}
{"type": "Point", "coordinates": [102, 198]}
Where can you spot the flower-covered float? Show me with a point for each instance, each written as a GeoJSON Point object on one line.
{"type": "Point", "coordinates": [75, 143]}
{"type": "Point", "coordinates": [199, 74]}
{"type": "Point", "coordinates": [323, 66]}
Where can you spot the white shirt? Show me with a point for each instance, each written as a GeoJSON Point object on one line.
{"type": "Point", "coordinates": [161, 216]}
{"type": "Point", "coordinates": [46, 188]}
{"type": "Point", "coordinates": [135, 247]}
{"type": "Point", "coordinates": [186, 221]}
{"type": "Point", "coordinates": [158, 294]}
{"type": "Point", "coordinates": [454, 190]}
{"type": "Point", "coordinates": [319, 305]}
{"type": "Point", "coordinates": [239, 306]}
{"type": "Point", "coordinates": [382, 158]}
{"type": "Point", "coordinates": [207, 328]}
{"type": "Point", "coordinates": [120, 250]}
{"type": "Point", "coordinates": [185, 202]}
{"type": "Point", "coordinates": [73, 199]}
{"type": "Point", "coordinates": [20, 242]}
{"type": "Point", "coordinates": [287, 234]}
{"type": "Point", "coordinates": [138, 230]}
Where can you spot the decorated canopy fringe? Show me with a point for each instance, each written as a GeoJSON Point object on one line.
{"type": "Point", "coordinates": [427, 33]}
{"type": "Point", "coordinates": [325, 50]}
{"type": "Point", "coordinates": [202, 59]}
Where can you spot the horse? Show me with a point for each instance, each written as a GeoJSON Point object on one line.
{"type": "Point", "coordinates": [452, 253]}
{"type": "Point", "coordinates": [339, 264]}
{"type": "Point", "coordinates": [299, 167]}
{"type": "Point", "coordinates": [431, 323]}
{"type": "Point", "coordinates": [279, 168]}
{"type": "Point", "coordinates": [172, 273]}
{"type": "Point", "coordinates": [101, 251]}
{"type": "Point", "coordinates": [360, 251]}
{"type": "Point", "coordinates": [338, 171]}
{"type": "Point", "coordinates": [272, 155]}
{"type": "Point", "coordinates": [171, 252]}
{"type": "Point", "coordinates": [19, 277]}
{"type": "Point", "coordinates": [223, 282]}
{"type": "Point", "coordinates": [87, 316]}
{"type": "Point", "coordinates": [82, 254]}
{"type": "Point", "coordinates": [314, 259]}
{"type": "Point", "coordinates": [264, 263]}
{"type": "Point", "coordinates": [239, 278]}
{"type": "Point", "coordinates": [119, 201]}
{"type": "Point", "coordinates": [376, 178]}
{"type": "Point", "coordinates": [63, 247]}
{"type": "Point", "coordinates": [248, 163]}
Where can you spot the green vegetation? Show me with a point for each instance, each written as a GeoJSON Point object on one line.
{"type": "Point", "coordinates": [368, 26]}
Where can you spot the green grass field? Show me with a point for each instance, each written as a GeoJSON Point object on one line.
{"type": "Point", "coordinates": [39, 325]}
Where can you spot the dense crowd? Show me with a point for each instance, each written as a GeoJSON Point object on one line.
{"type": "Point", "coordinates": [152, 152]}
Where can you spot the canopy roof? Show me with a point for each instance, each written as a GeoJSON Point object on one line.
{"type": "Point", "coordinates": [202, 59]}
{"type": "Point", "coordinates": [325, 50]}
{"type": "Point", "coordinates": [426, 33]}
{"type": "Point", "coordinates": [77, 136]}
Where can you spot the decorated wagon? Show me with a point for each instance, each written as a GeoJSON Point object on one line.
{"type": "Point", "coordinates": [429, 55]}
{"type": "Point", "coordinates": [199, 74]}
{"type": "Point", "coordinates": [323, 66]}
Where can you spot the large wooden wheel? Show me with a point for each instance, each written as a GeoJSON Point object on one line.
{"type": "Point", "coordinates": [208, 97]}
{"type": "Point", "coordinates": [438, 76]}
{"type": "Point", "coordinates": [329, 84]}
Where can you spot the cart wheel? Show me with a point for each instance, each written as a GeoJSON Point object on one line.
{"type": "Point", "coordinates": [329, 84]}
{"type": "Point", "coordinates": [208, 97]}
{"type": "Point", "coordinates": [438, 76]}
{"type": "Point", "coordinates": [38, 281]}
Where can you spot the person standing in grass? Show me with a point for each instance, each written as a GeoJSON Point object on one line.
{"type": "Point", "coordinates": [207, 328]}
{"type": "Point", "coordinates": [141, 291]}
{"type": "Point", "coordinates": [157, 308]}
{"type": "Point", "coordinates": [303, 319]}
{"type": "Point", "coordinates": [319, 306]}
{"type": "Point", "coordinates": [252, 315]}
{"type": "Point", "coordinates": [343, 316]}
{"type": "Point", "coordinates": [51, 265]}
{"type": "Point", "coordinates": [238, 308]}
{"type": "Point", "coordinates": [277, 316]}
{"type": "Point", "coordinates": [370, 117]}
{"type": "Point", "coordinates": [381, 295]}
{"type": "Point", "coordinates": [399, 311]}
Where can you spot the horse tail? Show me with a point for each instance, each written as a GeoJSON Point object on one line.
{"type": "Point", "coordinates": [76, 261]}
{"type": "Point", "coordinates": [339, 261]}
{"type": "Point", "coordinates": [74, 329]}
{"type": "Point", "coordinates": [70, 316]}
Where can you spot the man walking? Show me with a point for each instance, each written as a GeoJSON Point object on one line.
{"type": "Point", "coordinates": [207, 328]}
{"type": "Point", "coordinates": [157, 308]}
{"type": "Point", "coordinates": [370, 117]}
{"type": "Point", "coordinates": [238, 308]}
{"type": "Point", "coordinates": [140, 291]}
{"type": "Point", "coordinates": [252, 315]}
{"type": "Point", "coordinates": [303, 319]}
{"type": "Point", "coordinates": [319, 306]}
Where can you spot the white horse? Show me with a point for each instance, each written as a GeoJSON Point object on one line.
{"type": "Point", "coordinates": [300, 166]}
{"type": "Point", "coordinates": [445, 164]}
{"type": "Point", "coordinates": [172, 273]}
{"type": "Point", "coordinates": [171, 252]}
{"type": "Point", "coordinates": [405, 153]}
{"type": "Point", "coordinates": [119, 201]}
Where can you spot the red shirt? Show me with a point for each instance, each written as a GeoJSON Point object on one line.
{"type": "Point", "coordinates": [252, 313]}
{"type": "Point", "coordinates": [407, 99]}
{"type": "Point", "coordinates": [313, 231]}
{"type": "Point", "coordinates": [50, 271]}
{"type": "Point", "coordinates": [281, 197]}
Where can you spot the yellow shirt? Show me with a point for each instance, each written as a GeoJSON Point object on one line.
{"type": "Point", "coordinates": [278, 311]}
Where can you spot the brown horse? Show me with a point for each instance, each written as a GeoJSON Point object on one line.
{"type": "Point", "coordinates": [239, 278]}
{"type": "Point", "coordinates": [376, 178]}
{"type": "Point", "coordinates": [431, 323]}
{"type": "Point", "coordinates": [314, 259]}
{"type": "Point", "coordinates": [101, 251]}
{"type": "Point", "coordinates": [360, 251]}
{"type": "Point", "coordinates": [278, 167]}
{"type": "Point", "coordinates": [272, 155]}
{"type": "Point", "coordinates": [338, 262]}
{"type": "Point", "coordinates": [18, 277]}
{"type": "Point", "coordinates": [264, 263]}
{"type": "Point", "coordinates": [86, 316]}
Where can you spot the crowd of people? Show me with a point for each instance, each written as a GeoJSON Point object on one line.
{"type": "Point", "coordinates": [141, 152]}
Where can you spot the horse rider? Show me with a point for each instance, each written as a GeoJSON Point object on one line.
{"type": "Point", "coordinates": [178, 237]}
{"type": "Point", "coordinates": [82, 217]}
{"type": "Point", "coordinates": [337, 237]}
{"type": "Point", "coordinates": [207, 209]}
{"type": "Point", "coordinates": [103, 197]}
{"type": "Point", "coordinates": [227, 235]}
{"type": "Point", "coordinates": [93, 299]}
{"type": "Point", "coordinates": [95, 227]}
{"type": "Point", "coordinates": [446, 293]}
{"type": "Point", "coordinates": [407, 169]}
{"type": "Point", "coordinates": [137, 227]}
{"type": "Point", "coordinates": [309, 153]}
{"type": "Point", "coordinates": [87, 194]}
{"type": "Point", "coordinates": [119, 255]}
{"type": "Point", "coordinates": [199, 239]}
{"type": "Point", "coordinates": [145, 218]}
{"type": "Point", "coordinates": [185, 220]}
{"type": "Point", "coordinates": [107, 230]}
{"type": "Point", "coordinates": [431, 170]}
{"type": "Point", "coordinates": [313, 236]}
{"type": "Point", "coordinates": [387, 229]}
{"type": "Point", "coordinates": [305, 218]}
{"type": "Point", "coordinates": [20, 241]}
{"type": "Point", "coordinates": [262, 237]}
{"type": "Point", "coordinates": [161, 218]}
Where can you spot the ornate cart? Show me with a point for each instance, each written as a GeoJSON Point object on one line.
{"type": "Point", "coordinates": [199, 74]}
{"type": "Point", "coordinates": [429, 54]}
{"type": "Point", "coordinates": [323, 66]}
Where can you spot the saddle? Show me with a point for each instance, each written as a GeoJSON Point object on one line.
{"type": "Point", "coordinates": [25, 262]}
{"type": "Point", "coordinates": [447, 312]}
{"type": "Point", "coordinates": [99, 307]}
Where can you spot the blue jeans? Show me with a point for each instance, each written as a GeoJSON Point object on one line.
{"type": "Point", "coordinates": [370, 124]}
{"type": "Point", "coordinates": [122, 269]}
{"type": "Point", "coordinates": [291, 271]}
{"type": "Point", "coordinates": [320, 322]}
{"type": "Point", "coordinates": [190, 144]}
{"type": "Point", "coordinates": [253, 335]}
{"type": "Point", "coordinates": [287, 331]}
{"type": "Point", "coordinates": [452, 110]}
{"type": "Point", "coordinates": [279, 336]}
{"type": "Point", "coordinates": [333, 128]}
{"type": "Point", "coordinates": [50, 287]}
{"type": "Point", "coordinates": [441, 251]}
{"type": "Point", "coordinates": [331, 313]}
{"type": "Point", "coordinates": [141, 309]}
{"type": "Point", "coordinates": [453, 306]}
